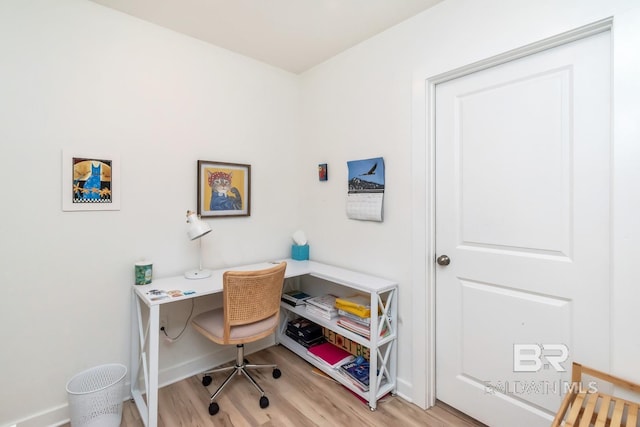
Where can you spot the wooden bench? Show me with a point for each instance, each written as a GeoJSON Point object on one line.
{"type": "Point", "coordinates": [585, 406]}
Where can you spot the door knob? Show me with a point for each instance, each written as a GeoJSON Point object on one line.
{"type": "Point", "coordinates": [443, 260]}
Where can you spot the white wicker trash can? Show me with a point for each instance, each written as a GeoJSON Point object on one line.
{"type": "Point", "coordinates": [96, 395]}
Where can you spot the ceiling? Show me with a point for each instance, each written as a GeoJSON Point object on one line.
{"type": "Point", "coordinates": [294, 35]}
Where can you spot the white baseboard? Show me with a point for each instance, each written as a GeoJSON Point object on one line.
{"type": "Point", "coordinates": [60, 415]}
{"type": "Point", "coordinates": [404, 390]}
{"type": "Point", "coordinates": [53, 417]}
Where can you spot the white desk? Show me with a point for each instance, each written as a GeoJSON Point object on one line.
{"type": "Point", "coordinates": [145, 336]}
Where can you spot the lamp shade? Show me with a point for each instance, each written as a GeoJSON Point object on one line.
{"type": "Point", "coordinates": [197, 228]}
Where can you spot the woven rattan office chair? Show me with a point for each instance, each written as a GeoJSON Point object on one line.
{"type": "Point", "coordinates": [250, 311]}
{"type": "Point", "coordinates": [585, 405]}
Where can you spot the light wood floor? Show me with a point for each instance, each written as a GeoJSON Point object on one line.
{"type": "Point", "coordinates": [298, 398]}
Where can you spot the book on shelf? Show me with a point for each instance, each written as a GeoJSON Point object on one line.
{"type": "Point", "coordinates": [355, 327]}
{"type": "Point", "coordinates": [323, 306]}
{"type": "Point", "coordinates": [295, 297]}
{"type": "Point", "coordinates": [306, 343]}
{"type": "Point", "coordinates": [320, 312]}
{"type": "Point", "coordinates": [357, 372]}
{"type": "Point", "coordinates": [358, 304]}
{"type": "Point", "coordinates": [330, 355]}
{"type": "Point", "coordinates": [341, 341]}
{"type": "Point", "coordinates": [352, 380]}
{"type": "Point", "coordinates": [304, 328]}
{"type": "Point", "coordinates": [324, 302]}
{"type": "Point", "coordinates": [362, 320]}
{"type": "Point", "coordinates": [358, 328]}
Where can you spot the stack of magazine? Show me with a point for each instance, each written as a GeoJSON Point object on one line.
{"type": "Point", "coordinates": [355, 314]}
{"type": "Point", "coordinates": [322, 306]}
{"type": "Point", "coordinates": [330, 355]}
{"type": "Point", "coordinates": [357, 372]}
{"type": "Point", "coordinates": [295, 298]}
{"type": "Point", "coordinates": [304, 332]}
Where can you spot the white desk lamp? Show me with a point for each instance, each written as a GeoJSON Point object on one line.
{"type": "Point", "coordinates": [196, 229]}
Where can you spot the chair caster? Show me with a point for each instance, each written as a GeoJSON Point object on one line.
{"type": "Point", "coordinates": [213, 408]}
{"type": "Point", "coordinates": [264, 402]}
{"type": "Point", "coordinates": [206, 380]}
{"type": "Point", "coordinates": [277, 373]}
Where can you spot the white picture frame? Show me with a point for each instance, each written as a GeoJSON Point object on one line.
{"type": "Point", "coordinates": [90, 181]}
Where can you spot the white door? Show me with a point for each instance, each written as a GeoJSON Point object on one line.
{"type": "Point", "coordinates": [522, 212]}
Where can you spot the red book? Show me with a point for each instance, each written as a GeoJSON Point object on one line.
{"type": "Point", "coordinates": [330, 354]}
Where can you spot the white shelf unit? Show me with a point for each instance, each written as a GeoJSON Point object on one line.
{"type": "Point", "coordinates": [383, 350]}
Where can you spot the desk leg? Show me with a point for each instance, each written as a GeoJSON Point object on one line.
{"type": "Point", "coordinates": [144, 356]}
{"type": "Point", "coordinates": [154, 344]}
{"type": "Point", "coordinates": [134, 361]}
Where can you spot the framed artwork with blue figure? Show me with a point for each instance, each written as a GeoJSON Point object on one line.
{"type": "Point", "coordinates": [90, 182]}
{"type": "Point", "coordinates": [224, 189]}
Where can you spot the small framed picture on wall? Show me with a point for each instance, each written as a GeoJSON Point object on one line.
{"type": "Point", "coordinates": [323, 172]}
{"type": "Point", "coordinates": [90, 182]}
{"type": "Point", "coordinates": [224, 189]}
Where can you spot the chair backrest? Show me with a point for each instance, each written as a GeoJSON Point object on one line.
{"type": "Point", "coordinates": [252, 296]}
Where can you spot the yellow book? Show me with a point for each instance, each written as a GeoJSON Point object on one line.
{"type": "Point", "coordinates": [357, 304]}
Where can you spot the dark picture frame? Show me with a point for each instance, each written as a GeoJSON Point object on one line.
{"type": "Point", "coordinates": [224, 189]}
{"type": "Point", "coordinates": [323, 172]}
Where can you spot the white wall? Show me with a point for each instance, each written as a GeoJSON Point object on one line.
{"type": "Point", "coordinates": [75, 75]}
{"type": "Point", "coordinates": [370, 101]}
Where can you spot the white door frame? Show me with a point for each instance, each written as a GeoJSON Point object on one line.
{"type": "Point", "coordinates": [423, 201]}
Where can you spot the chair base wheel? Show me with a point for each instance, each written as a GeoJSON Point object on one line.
{"type": "Point", "coordinates": [206, 380]}
{"type": "Point", "coordinates": [277, 373]}
{"type": "Point", "coordinates": [213, 408]}
{"type": "Point", "coordinates": [264, 402]}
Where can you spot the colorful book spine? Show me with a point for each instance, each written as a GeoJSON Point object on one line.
{"type": "Point", "coordinates": [362, 320]}
{"type": "Point", "coordinates": [358, 328]}
{"type": "Point", "coordinates": [354, 327]}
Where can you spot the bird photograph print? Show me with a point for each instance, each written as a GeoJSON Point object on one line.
{"type": "Point", "coordinates": [365, 189]}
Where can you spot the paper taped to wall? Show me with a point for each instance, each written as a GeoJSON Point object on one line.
{"type": "Point", "coordinates": [366, 189]}
{"type": "Point", "coordinates": [364, 206]}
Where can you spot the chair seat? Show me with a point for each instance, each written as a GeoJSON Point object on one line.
{"type": "Point", "coordinates": [211, 324]}
{"type": "Point", "coordinates": [586, 405]}
{"type": "Point", "coordinates": [599, 409]}
{"type": "Point", "coordinates": [250, 311]}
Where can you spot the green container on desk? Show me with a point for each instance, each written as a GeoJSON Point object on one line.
{"type": "Point", "coordinates": [143, 272]}
{"type": "Point", "coordinates": [300, 252]}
